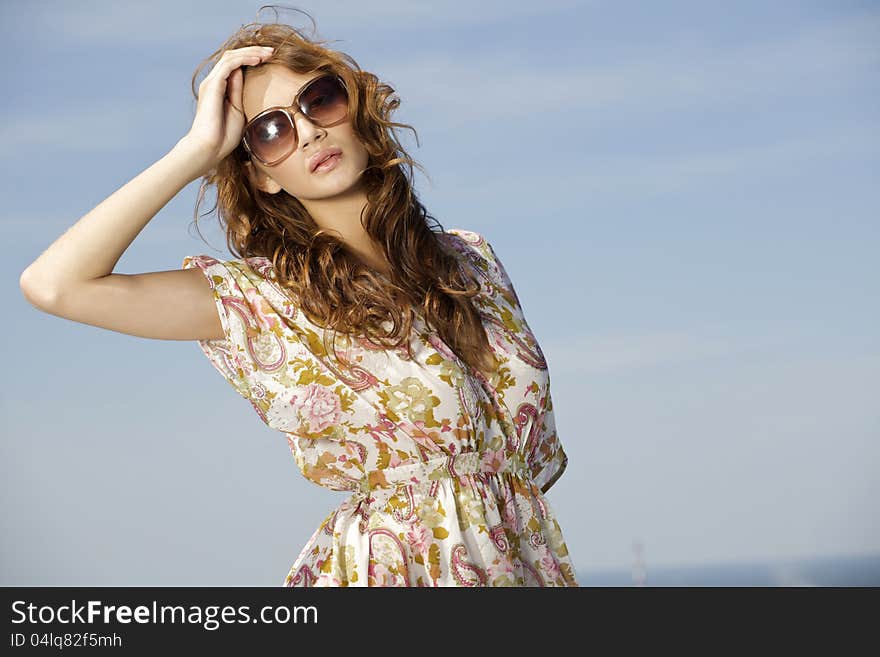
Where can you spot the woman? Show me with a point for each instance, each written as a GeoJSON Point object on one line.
{"type": "Point", "coordinates": [395, 359]}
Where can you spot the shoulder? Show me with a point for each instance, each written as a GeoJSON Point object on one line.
{"type": "Point", "coordinates": [466, 239]}
{"type": "Point", "coordinates": [236, 272]}
{"type": "Point", "coordinates": [472, 245]}
{"type": "Point", "coordinates": [248, 289]}
{"type": "Point", "coordinates": [476, 248]}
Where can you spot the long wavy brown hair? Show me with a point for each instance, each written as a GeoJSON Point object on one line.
{"type": "Point", "coordinates": [332, 287]}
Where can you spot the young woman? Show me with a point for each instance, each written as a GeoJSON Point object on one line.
{"type": "Point", "coordinates": [395, 359]}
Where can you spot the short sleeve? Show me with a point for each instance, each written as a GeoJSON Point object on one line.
{"type": "Point", "coordinates": [482, 256]}
{"type": "Point", "coordinates": [252, 350]}
{"type": "Point", "coordinates": [500, 273]}
{"type": "Point", "coordinates": [546, 458]}
{"type": "Point", "coordinates": [544, 453]}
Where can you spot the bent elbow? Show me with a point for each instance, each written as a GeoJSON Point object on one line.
{"type": "Point", "coordinates": [37, 293]}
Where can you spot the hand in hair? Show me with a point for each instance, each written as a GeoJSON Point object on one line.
{"type": "Point", "coordinates": [219, 121]}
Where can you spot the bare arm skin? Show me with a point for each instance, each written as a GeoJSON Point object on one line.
{"type": "Point", "coordinates": [74, 277]}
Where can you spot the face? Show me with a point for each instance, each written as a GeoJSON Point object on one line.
{"type": "Point", "coordinates": [274, 85]}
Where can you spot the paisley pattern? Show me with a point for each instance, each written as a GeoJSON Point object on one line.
{"type": "Point", "coordinates": [446, 470]}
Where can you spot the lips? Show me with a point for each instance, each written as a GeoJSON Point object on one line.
{"type": "Point", "coordinates": [321, 156]}
{"type": "Point", "coordinates": [324, 160]}
{"type": "Point", "coordinates": [332, 158]}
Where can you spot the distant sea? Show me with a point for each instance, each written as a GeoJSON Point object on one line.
{"type": "Point", "coordinates": [826, 571]}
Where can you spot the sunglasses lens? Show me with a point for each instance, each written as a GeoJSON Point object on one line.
{"type": "Point", "coordinates": [325, 101]}
{"type": "Point", "coordinates": [273, 137]}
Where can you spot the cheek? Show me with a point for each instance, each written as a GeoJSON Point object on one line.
{"type": "Point", "coordinates": [359, 156]}
{"type": "Point", "coordinates": [292, 179]}
{"type": "Point", "coordinates": [352, 143]}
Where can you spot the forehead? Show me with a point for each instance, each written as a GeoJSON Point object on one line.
{"type": "Point", "coordinates": [271, 85]}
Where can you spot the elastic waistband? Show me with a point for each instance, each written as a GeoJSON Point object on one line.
{"type": "Point", "coordinates": [442, 466]}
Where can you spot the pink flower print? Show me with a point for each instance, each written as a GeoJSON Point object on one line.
{"type": "Point", "coordinates": [262, 310]}
{"type": "Point", "coordinates": [509, 510]}
{"type": "Point", "coordinates": [394, 458]}
{"type": "Point", "coordinates": [380, 574]}
{"type": "Point", "coordinates": [258, 391]}
{"type": "Point", "coordinates": [499, 341]}
{"type": "Point", "coordinates": [510, 518]}
{"type": "Point", "coordinates": [418, 537]}
{"type": "Point", "coordinates": [427, 438]}
{"type": "Point", "coordinates": [548, 563]}
{"type": "Point", "coordinates": [317, 406]}
{"type": "Point", "coordinates": [493, 460]}
{"type": "Point", "coordinates": [503, 567]}
{"type": "Point", "coordinates": [441, 347]}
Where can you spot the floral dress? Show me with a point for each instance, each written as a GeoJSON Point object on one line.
{"type": "Point", "coordinates": [446, 470]}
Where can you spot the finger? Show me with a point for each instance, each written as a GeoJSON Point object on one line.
{"type": "Point", "coordinates": [234, 89]}
{"type": "Point", "coordinates": [228, 62]}
{"type": "Point", "coordinates": [245, 52]}
{"type": "Point", "coordinates": [246, 49]}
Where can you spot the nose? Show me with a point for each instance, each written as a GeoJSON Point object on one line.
{"type": "Point", "coordinates": [306, 131]}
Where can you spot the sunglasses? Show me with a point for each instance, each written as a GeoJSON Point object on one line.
{"type": "Point", "coordinates": [271, 135]}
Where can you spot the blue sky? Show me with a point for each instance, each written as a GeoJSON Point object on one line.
{"type": "Point", "coordinates": [682, 193]}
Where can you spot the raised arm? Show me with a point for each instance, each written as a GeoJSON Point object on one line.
{"type": "Point", "coordinates": [74, 277]}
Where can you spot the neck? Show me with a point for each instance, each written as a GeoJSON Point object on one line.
{"type": "Point", "coordinates": [342, 215]}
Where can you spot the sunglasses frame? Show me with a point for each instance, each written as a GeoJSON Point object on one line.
{"type": "Point", "coordinates": [290, 111]}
